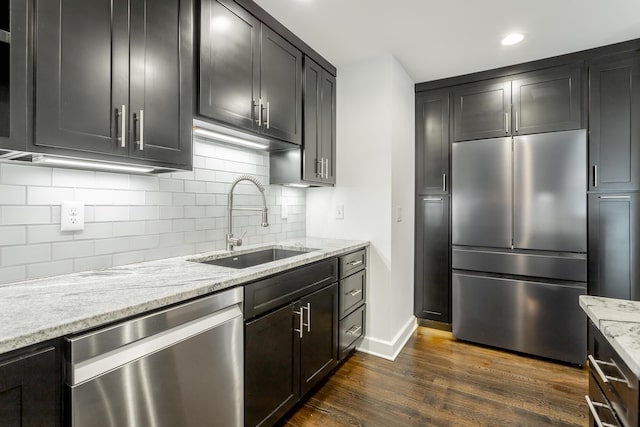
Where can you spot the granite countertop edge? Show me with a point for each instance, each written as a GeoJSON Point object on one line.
{"type": "Point", "coordinates": [619, 322]}
{"type": "Point", "coordinates": [37, 311]}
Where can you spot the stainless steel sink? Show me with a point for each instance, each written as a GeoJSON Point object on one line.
{"type": "Point", "coordinates": [250, 259]}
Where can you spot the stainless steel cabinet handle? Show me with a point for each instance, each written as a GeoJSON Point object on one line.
{"type": "Point", "coordinates": [254, 106]}
{"type": "Point", "coordinates": [595, 175]}
{"type": "Point", "coordinates": [260, 112]}
{"type": "Point", "coordinates": [326, 173]}
{"type": "Point", "coordinates": [354, 263]}
{"type": "Point", "coordinates": [615, 197]}
{"type": "Point", "coordinates": [592, 408]}
{"type": "Point", "coordinates": [320, 167]}
{"type": "Point", "coordinates": [433, 199]}
{"type": "Point", "coordinates": [516, 122]}
{"type": "Point", "coordinates": [354, 292]}
{"type": "Point", "coordinates": [308, 308]}
{"type": "Point", "coordinates": [506, 122]}
{"type": "Point", "coordinates": [606, 378]}
{"type": "Point", "coordinates": [123, 126]}
{"type": "Point", "coordinates": [354, 330]}
{"type": "Point", "coordinates": [141, 120]}
{"type": "Point", "coordinates": [444, 182]}
{"type": "Point", "coordinates": [268, 115]}
{"type": "Point", "coordinates": [301, 314]}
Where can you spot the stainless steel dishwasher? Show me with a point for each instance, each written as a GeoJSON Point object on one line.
{"type": "Point", "coordinates": [182, 366]}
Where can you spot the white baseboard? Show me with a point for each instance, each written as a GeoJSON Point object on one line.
{"type": "Point", "coordinates": [389, 349]}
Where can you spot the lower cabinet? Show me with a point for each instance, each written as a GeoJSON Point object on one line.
{"type": "Point", "coordinates": [353, 281]}
{"type": "Point", "coordinates": [287, 352]}
{"type": "Point", "coordinates": [432, 300]}
{"type": "Point", "coordinates": [614, 245]}
{"type": "Point", "coordinates": [30, 389]}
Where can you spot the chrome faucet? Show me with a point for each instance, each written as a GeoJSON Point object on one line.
{"type": "Point", "coordinates": [234, 241]}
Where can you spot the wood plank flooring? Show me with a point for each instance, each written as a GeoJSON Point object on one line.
{"type": "Point", "coordinates": [438, 381]}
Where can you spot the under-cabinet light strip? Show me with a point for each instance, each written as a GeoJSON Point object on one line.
{"type": "Point", "coordinates": [57, 161]}
{"type": "Point", "coordinates": [228, 138]}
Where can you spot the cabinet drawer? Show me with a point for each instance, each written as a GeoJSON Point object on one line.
{"type": "Point", "coordinates": [273, 292]}
{"type": "Point", "coordinates": [352, 262]}
{"type": "Point", "coordinates": [352, 291]}
{"type": "Point", "coordinates": [599, 405]}
{"type": "Point", "coordinates": [351, 331]}
{"type": "Point", "coordinates": [621, 385]}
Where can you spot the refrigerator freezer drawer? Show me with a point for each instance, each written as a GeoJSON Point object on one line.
{"type": "Point", "coordinates": [550, 184]}
{"type": "Point", "coordinates": [537, 318]}
{"type": "Point", "coordinates": [481, 189]}
{"type": "Point", "coordinates": [549, 265]}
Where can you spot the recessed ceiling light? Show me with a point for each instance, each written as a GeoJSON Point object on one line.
{"type": "Point", "coordinates": [512, 38]}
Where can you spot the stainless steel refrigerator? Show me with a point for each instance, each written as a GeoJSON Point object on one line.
{"type": "Point", "coordinates": [519, 225]}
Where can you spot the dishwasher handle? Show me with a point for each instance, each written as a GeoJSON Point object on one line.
{"type": "Point", "coordinates": [101, 364]}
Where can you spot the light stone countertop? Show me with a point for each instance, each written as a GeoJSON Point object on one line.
{"type": "Point", "coordinates": [619, 322]}
{"type": "Point", "coordinates": [38, 310]}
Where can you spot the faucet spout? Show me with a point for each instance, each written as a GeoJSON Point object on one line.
{"type": "Point", "coordinates": [232, 241]}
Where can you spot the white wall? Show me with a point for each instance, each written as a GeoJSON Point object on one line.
{"type": "Point", "coordinates": [375, 175]}
{"type": "Point", "coordinates": [134, 218]}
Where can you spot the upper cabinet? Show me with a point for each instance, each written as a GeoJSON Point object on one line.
{"type": "Point", "coordinates": [319, 124]}
{"type": "Point", "coordinates": [432, 142]}
{"type": "Point", "coordinates": [13, 75]}
{"type": "Point", "coordinates": [614, 123]}
{"type": "Point", "coordinates": [114, 78]}
{"type": "Point", "coordinates": [536, 102]}
{"type": "Point", "coordinates": [249, 76]}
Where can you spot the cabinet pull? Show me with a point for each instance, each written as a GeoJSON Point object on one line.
{"type": "Point", "coordinates": [308, 324]}
{"type": "Point", "coordinates": [506, 122]}
{"type": "Point", "coordinates": [516, 122]}
{"type": "Point", "coordinates": [354, 263]}
{"type": "Point", "coordinates": [254, 106]}
{"type": "Point", "coordinates": [326, 173]}
{"type": "Point", "coordinates": [268, 115]}
{"type": "Point", "coordinates": [432, 199]}
{"type": "Point", "coordinates": [354, 292]}
{"type": "Point", "coordinates": [301, 314]}
{"type": "Point", "coordinates": [354, 330]}
{"type": "Point", "coordinates": [260, 113]}
{"type": "Point", "coordinates": [595, 175]}
{"type": "Point", "coordinates": [606, 378]}
{"type": "Point", "coordinates": [141, 120]}
{"type": "Point", "coordinates": [444, 182]}
{"type": "Point", "coordinates": [320, 166]}
{"type": "Point", "coordinates": [592, 408]}
{"type": "Point", "coordinates": [123, 126]}
{"type": "Point", "coordinates": [615, 197]}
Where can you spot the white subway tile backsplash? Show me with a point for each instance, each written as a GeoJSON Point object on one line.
{"type": "Point", "coordinates": [46, 269]}
{"type": "Point", "coordinates": [48, 195]}
{"type": "Point", "coordinates": [134, 218]}
{"type": "Point", "coordinates": [25, 254]}
{"type": "Point", "coordinates": [12, 195]}
{"type": "Point", "coordinates": [13, 235]}
{"type": "Point", "coordinates": [25, 215]}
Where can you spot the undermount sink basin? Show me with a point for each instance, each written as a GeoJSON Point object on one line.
{"type": "Point", "coordinates": [250, 259]}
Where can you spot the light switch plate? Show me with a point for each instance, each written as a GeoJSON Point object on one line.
{"type": "Point", "coordinates": [340, 212]}
{"type": "Point", "coordinates": [72, 216]}
{"type": "Point", "coordinates": [398, 214]}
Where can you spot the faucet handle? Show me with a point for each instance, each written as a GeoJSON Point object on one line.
{"type": "Point", "coordinates": [239, 239]}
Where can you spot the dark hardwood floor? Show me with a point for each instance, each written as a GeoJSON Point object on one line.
{"type": "Point", "coordinates": [438, 381]}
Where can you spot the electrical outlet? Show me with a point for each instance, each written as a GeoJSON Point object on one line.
{"type": "Point", "coordinates": [72, 216]}
{"type": "Point", "coordinates": [340, 212]}
{"type": "Point", "coordinates": [284, 212]}
{"type": "Point", "coordinates": [398, 214]}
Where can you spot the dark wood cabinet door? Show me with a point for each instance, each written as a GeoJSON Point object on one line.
{"type": "Point", "coordinates": [432, 142]}
{"type": "Point", "coordinates": [229, 64]}
{"type": "Point", "coordinates": [160, 117]}
{"type": "Point", "coordinates": [432, 273]}
{"type": "Point", "coordinates": [280, 87]}
{"type": "Point", "coordinates": [312, 163]}
{"type": "Point", "coordinates": [29, 394]}
{"type": "Point", "coordinates": [482, 110]}
{"type": "Point", "coordinates": [547, 101]}
{"type": "Point", "coordinates": [614, 123]}
{"type": "Point", "coordinates": [328, 126]}
{"type": "Point", "coordinates": [614, 245]}
{"type": "Point", "coordinates": [13, 76]}
{"type": "Point", "coordinates": [81, 74]}
{"type": "Point", "coordinates": [271, 366]}
{"type": "Point", "coordinates": [319, 344]}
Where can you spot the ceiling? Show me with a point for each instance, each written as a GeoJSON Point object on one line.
{"type": "Point", "coordinates": [437, 39]}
